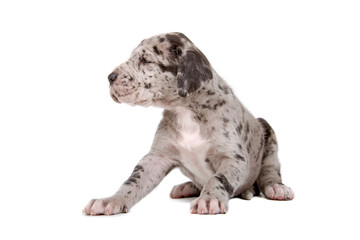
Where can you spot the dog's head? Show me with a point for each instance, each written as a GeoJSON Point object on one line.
{"type": "Point", "coordinates": [161, 69]}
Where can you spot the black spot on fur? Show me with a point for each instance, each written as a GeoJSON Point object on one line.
{"type": "Point", "coordinates": [225, 184]}
{"type": "Point", "coordinates": [267, 128]}
{"type": "Point", "coordinates": [161, 39]}
{"type": "Point", "coordinates": [175, 50]}
{"type": "Point", "coordinates": [156, 50]}
{"type": "Point", "coordinates": [248, 148]}
{"type": "Point", "coordinates": [213, 107]}
{"type": "Point", "coordinates": [148, 85]}
{"type": "Point", "coordinates": [135, 175]}
{"type": "Point", "coordinates": [268, 139]}
{"type": "Point", "coordinates": [210, 93]}
{"type": "Point", "coordinates": [225, 120]}
{"type": "Point", "coordinates": [247, 128]}
{"type": "Point", "coordinates": [221, 103]}
{"type": "Point", "coordinates": [130, 181]}
{"type": "Point", "coordinates": [245, 138]}
{"type": "Point", "coordinates": [201, 118]}
{"type": "Point", "coordinates": [138, 168]}
{"type": "Point", "coordinates": [207, 160]}
{"type": "Point", "coordinates": [171, 68]}
{"type": "Point", "coordinates": [239, 157]}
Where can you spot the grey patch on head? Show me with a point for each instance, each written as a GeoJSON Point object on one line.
{"type": "Point", "coordinates": [193, 69]}
{"type": "Point", "coordinates": [225, 183]}
{"type": "Point", "coordinates": [174, 40]}
{"type": "Point", "coordinates": [175, 48]}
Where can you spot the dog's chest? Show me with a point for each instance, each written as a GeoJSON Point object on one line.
{"type": "Point", "coordinates": [192, 146]}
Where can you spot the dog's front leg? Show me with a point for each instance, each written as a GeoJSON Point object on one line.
{"type": "Point", "coordinates": [146, 176]}
{"type": "Point", "coordinates": [215, 195]}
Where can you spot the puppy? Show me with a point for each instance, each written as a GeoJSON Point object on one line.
{"type": "Point", "coordinates": [205, 132]}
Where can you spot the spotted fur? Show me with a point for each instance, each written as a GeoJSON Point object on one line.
{"type": "Point", "coordinates": [205, 131]}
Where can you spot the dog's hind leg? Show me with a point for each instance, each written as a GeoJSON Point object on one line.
{"type": "Point", "coordinates": [185, 190]}
{"type": "Point", "coordinates": [269, 180]}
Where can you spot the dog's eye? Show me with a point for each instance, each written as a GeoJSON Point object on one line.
{"type": "Point", "coordinates": [144, 60]}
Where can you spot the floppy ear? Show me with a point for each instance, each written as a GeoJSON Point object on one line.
{"type": "Point", "coordinates": [193, 69]}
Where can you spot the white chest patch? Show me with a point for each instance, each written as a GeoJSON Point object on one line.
{"type": "Point", "coordinates": [193, 146]}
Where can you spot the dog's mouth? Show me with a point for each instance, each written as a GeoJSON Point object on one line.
{"type": "Point", "coordinates": [130, 98]}
{"type": "Point", "coordinates": [120, 96]}
{"type": "Point", "coordinates": [113, 96]}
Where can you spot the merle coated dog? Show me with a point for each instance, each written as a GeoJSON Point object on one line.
{"type": "Point", "coordinates": [205, 131]}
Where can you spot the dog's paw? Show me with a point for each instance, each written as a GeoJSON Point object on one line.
{"type": "Point", "coordinates": [247, 195]}
{"type": "Point", "coordinates": [185, 190]}
{"type": "Point", "coordinates": [208, 206]}
{"type": "Point", "coordinates": [279, 192]}
{"type": "Point", "coordinates": [106, 206]}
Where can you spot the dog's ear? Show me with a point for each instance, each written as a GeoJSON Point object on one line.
{"type": "Point", "coordinates": [194, 68]}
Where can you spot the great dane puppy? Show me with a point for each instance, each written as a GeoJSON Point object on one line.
{"type": "Point", "coordinates": [205, 131]}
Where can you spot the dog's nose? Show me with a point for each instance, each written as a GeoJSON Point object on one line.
{"type": "Point", "coordinates": [112, 77]}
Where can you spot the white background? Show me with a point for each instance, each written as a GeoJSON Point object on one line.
{"type": "Point", "coordinates": [64, 141]}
